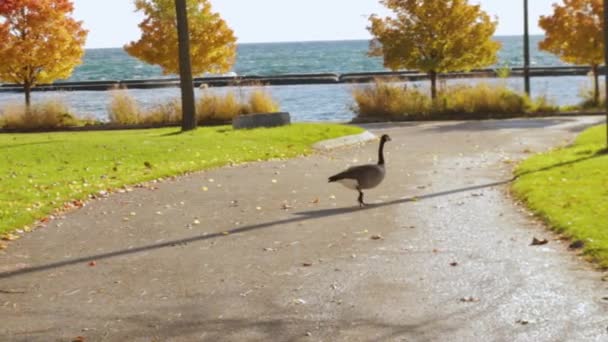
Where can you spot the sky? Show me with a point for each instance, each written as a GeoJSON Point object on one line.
{"type": "Point", "coordinates": [113, 23]}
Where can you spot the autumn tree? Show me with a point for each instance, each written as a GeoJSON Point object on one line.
{"type": "Point", "coordinates": [212, 42]}
{"type": "Point", "coordinates": [39, 42]}
{"type": "Point", "coordinates": [434, 36]}
{"type": "Point", "coordinates": [575, 33]}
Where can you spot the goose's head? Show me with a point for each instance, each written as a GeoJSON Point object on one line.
{"type": "Point", "coordinates": [385, 138]}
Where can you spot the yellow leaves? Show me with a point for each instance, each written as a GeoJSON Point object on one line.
{"type": "Point", "coordinates": [434, 36]}
{"type": "Point", "coordinates": [574, 32]}
{"type": "Point", "coordinates": [212, 42]}
{"type": "Point", "coordinates": [34, 34]}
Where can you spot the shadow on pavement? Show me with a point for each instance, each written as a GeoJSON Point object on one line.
{"type": "Point", "coordinates": [297, 217]}
{"type": "Point", "coordinates": [488, 125]}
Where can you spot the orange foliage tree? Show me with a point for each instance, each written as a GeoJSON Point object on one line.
{"type": "Point", "coordinates": [575, 33]}
{"type": "Point", "coordinates": [212, 42]}
{"type": "Point", "coordinates": [39, 42]}
{"type": "Point", "coordinates": [434, 36]}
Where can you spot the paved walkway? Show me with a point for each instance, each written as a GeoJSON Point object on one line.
{"type": "Point", "coordinates": [272, 252]}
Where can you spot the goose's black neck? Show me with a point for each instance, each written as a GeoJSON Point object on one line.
{"type": "Point", "coordinates": [381, 153]}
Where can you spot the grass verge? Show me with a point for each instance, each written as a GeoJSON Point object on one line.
{"type": "Point", "coordinates": [568, 188]}
{"type": "Point", "coordinates": [40, 173]}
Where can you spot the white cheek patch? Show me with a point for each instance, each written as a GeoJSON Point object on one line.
{"type": "Point", "coordinates": [349, 183]}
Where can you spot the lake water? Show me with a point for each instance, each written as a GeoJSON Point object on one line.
{"type": "Point", "coordinates": [304, 102]}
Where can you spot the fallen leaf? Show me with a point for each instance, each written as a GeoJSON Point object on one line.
{"type": "Point", "coordinates": [205, 188]}
{"type": "Point", "coordinates": [306, 264]}
{"type": "Point", "coordinates": [274, 181]}
{"type": "Point", "coordinates": [148, 165]}
{"type": "Point", "coordinates": [454, 264]}
{"type": "Point", "coordinates": [286, 206]}
{"type": "Point", "coordinates": [258, 208]}
{"type": "Point", "coordinates": [299, 301]}
{"type": "Point", "coordinates": [79, 339]}
{"type": "Point", "coordinates": [93, 263]}
{"type": "Point", "coordinates": [11, 291]}
{"type": "Point", "coordinates": [537, 242]}
{"type": "Point", "coordinates": [469, 300]}
{"type": "Point", "coordinates": [3, 246]}
{"type": "Point", "coordinates": [10, 237]}
{"type": "Point", "coordinates": [377, 237]}
{"type": "Point", "coordinates": [522, 322]}
{"type": "Point", "coordinates": [316, 201]}
{"type": "Point", "coordinates": [577, 244]}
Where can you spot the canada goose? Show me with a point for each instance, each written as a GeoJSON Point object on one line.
{"type": "Point", "coordinates": [364, 176]}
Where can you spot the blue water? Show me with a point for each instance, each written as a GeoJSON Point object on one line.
{"type": "Point", "coordinates": [286, 58]}
{"type": "Point", "coordinates": [305, 102]}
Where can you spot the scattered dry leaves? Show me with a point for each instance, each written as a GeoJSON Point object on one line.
{"type": "Point", "coordinates": [539, 242]}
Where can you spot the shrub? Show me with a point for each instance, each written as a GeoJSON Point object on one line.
{"type": "Point", "coordinates": [390, 100]}
{"type": "Point", "coordinates": [164, 113]}
{"type": "Point", "coordinates": [123, 108]}
{"type": "Point", "coordinates": [212, 107]}
{"type": "Point", "coordinates": [480, 99]}
{"type": "Point", "coordinates": [396, 101]}
{"type": "Point", "coordinates": [48, 114]}
{"type": "Point", "coordinates": [542, 104]}
{"type": "Point", "coordinates": [261, 102]}
{"type": "Point", "coordinates": [588, 102]}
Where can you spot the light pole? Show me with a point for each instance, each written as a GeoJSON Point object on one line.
{"type": "Point", "coordinates": [185, 68]}
{"type": "Point", "coordinates": [526, 50]}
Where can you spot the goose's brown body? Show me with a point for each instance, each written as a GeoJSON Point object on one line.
{"type": "Point", "coordinates": [364, 177]}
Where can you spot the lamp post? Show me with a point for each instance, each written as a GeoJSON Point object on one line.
{"type": "Point", "coordinates": [185, 68]}
{"type": "Point", "coordinates": [526, 50]}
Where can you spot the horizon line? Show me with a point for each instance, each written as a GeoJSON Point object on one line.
{"type": "Point", "coordinates": [314, 41]}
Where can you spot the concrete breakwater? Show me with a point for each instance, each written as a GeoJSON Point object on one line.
{"type": "Point", "coordinates": [298, 79]}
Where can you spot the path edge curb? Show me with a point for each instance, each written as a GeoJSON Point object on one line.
{"type": "Point", "coordinates": [348, 140]}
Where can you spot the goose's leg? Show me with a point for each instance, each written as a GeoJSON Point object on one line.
{"type": "Point", "coordinates": [361, 203]}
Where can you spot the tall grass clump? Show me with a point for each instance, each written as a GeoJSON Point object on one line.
{"type": "Point", "coordinates": [163, 113]}
{"type": "Point", "coordinates": [586, 93]}
{"type": "Point", "coordinates": [47, 114]}
{"type": "Point", "coordinates": [213, 107]}
{"type": "Point", "coordinates": [480, 99]}
{"type": "Point", "coordinates": [386, 99]}
{"type": "Point", "coordinates": [123, 109]}
{"type": "Point", "coordinates": [389, 100]}
{"type": "Point", "coordinates": [260, 101]}
{"type": "Point", "coordinates": [216, 107]}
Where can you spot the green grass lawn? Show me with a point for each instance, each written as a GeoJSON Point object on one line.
{"type": "Point", "coordinates": [568, 188]}
{"type": "Point", "coordinates": [39, 173]}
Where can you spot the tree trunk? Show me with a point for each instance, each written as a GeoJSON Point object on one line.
{"type": "Point", "coordinates": [185, 68]}
{"type": "Point", "coordinates": [27, 88]}
{"type": "Point", "coordinates": [433, 75]}
{"type": "Point", "coordinates": [596, 84]}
